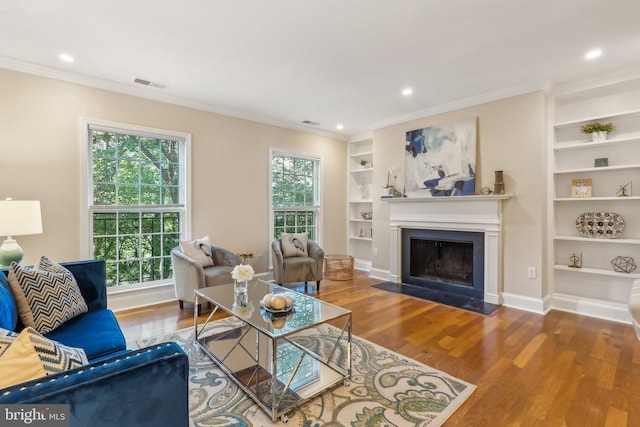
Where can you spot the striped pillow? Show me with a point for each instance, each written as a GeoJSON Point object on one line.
{"type": "Point", "coordinates": [46, 295]}
{"type": "Point", "coordinates": [32, 356]}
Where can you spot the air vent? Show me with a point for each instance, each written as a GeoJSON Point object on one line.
{"type": "Point", "coordinates": [148, 83]}
{"type": "Point", "coordinates": [310, 122]}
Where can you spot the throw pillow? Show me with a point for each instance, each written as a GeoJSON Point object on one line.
{"type": "Point", "coordinates": [6, 339]}
{"type": "Point", "coordinates": [199, 250]}
{"type": "Point", "coordinates": [47, 295]}
{"type": "Point", "coordinates": [33, 356]}
{"type": "Point", "coordinates": [293, 244]}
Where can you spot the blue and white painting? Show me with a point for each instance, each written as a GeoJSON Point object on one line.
{"type": "Point", "coordinates": [441, 160]}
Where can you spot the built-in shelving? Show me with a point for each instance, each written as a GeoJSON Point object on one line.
{"type": "Point", "coordinates": [360, 201]}
{"type": "Point", "coordinates": [573, 157]}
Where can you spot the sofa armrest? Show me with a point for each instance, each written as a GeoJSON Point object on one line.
{"type": "Point", "coordinates": [145, 387]}
{"type": "Point", "coordinates": [91, 276]}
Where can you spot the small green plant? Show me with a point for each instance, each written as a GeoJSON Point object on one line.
{"type": "Point", "coordinates": [597, 127]}
{"type": "Point", "coordinates": [363, 162]}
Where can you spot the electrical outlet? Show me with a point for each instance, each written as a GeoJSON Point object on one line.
{"type": "Point", "coordinates": [376, 252]}
{"type": "Point", "coordinates": [531, 272]}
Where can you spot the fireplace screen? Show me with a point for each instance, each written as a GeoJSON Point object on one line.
{"type": "Point", "coordinates": [442, 261]}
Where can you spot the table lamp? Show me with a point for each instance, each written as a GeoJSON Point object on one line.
{"type": "Point", "coordinates": [17, 218]}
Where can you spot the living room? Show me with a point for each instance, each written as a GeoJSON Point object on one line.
{"type": "Point", "coordinates": [43, 108]}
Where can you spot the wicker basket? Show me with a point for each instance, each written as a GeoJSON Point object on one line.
{"type": "Point", "coordinates": [338, 267]}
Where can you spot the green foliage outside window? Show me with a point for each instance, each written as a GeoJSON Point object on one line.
{"type": "Point", "coordinates": [136, 205]}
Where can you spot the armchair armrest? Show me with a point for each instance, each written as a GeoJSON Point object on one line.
{"type": "Point", "coordinates": [122, 390]}
{"type": "Point", "coordinates": [278, 261]}
{"type": "Point", "coordinates": [188, 275]}
{"type": "Point", "coordinates": [316, 252]}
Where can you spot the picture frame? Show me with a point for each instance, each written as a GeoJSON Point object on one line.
{"type": "Point", "coordinates": [581, 188]}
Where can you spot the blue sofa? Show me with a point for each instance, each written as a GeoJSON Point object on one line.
{"type": "Point", "coordinates": [145, 387]}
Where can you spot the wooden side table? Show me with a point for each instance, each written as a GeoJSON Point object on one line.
{"type": "Point", "coordinates": [338, 267]}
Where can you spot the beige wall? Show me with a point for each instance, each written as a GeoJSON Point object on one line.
{"type": "Point", "coordinates": [511, 137]}
{"type": "Point", "coordinates": [41, 159]}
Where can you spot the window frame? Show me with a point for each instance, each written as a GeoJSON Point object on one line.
{"type": "Point", "coordinates": [87, 207]}
{"type": "Point", "coordinates": [317, 186]}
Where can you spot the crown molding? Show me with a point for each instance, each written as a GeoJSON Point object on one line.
{"type": "Point", "coordinates": [360, 136]}
{"type": "Point", "coordinates": [465, 103]}
{"type": "Point", "coordinates": [154, 94]}
{"type": "Point", "coordinates": [594, 82]}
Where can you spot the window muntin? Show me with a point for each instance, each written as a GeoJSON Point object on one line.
{"type": "Point", "coordinates": [137, 205]}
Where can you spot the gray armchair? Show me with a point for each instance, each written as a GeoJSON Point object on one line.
{"type": "Point", "coordinates": [298, 268]}
{"type": "Point", "coordinates": [189, 275]}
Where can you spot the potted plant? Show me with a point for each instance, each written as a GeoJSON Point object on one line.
{"type": "Point", "coordinates": [364, 162]}
{"type": "Point", "coordinates": [598, 131]}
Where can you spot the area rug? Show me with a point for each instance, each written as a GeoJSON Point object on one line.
{"type": "Point", "coordinates": [452, 300]}
{"type": "Point", "coordinates": [386, 389]}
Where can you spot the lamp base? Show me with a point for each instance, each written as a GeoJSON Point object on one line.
{"type": "Point", "coordinates": [10, 251]}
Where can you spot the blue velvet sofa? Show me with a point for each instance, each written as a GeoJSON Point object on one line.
{"type": "Point", "coordinates": [145, 387]}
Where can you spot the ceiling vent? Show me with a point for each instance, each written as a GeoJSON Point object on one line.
{"type": "Point", "coordinates": [148, 83]}
{"type": "Point", "coordinates": [309, 122]}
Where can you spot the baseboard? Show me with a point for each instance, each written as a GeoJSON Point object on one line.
{"type": "Point", "coordinates": [618, 312]}
{"type": "Point", "coordinates": [381, 274]}
{"type": "Point", "coordinates": [136, 298]}
{"type": "Point", "coordinates": [362, 264]}
{"type": "Point", "coordinates": [534, 305]}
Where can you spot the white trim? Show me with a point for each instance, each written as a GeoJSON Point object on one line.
{"type": "Point", "coordinates": [618, 312]}
{"type": "Point", "coordinates": [156, 94]}
{"type": "Point", "coordinates": [377, 273]}
{"type": "Point", "coordinates": [521, 302]}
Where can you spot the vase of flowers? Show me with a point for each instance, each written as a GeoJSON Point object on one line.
{"type": "Point", "coordinates": [241, 275]}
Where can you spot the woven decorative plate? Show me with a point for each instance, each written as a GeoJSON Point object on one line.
{"type": "Point", "coordinates": [600, 225]}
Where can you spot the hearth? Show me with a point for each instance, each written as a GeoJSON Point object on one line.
{"type": "Point", "coordinates": [450, 261]}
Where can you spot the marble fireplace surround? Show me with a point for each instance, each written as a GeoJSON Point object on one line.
{"type": "Point", "coordinates": [465, 213]}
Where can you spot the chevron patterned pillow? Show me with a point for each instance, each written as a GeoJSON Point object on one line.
{"type": "Point", "coordinates": [32, 356]}
{"type": "Point", "coordinates": [46, 295]}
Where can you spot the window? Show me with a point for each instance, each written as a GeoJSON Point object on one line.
{"type": "Point", "coordinates": [137, 202]}
{"type": "Point", "coordinates": [294, 194]}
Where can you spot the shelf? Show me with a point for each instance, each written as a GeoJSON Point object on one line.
{"type": "Point", "coordinates": [595, 199]}
{"type": "Point", "coordinates": [598, 271]}
{"type": "Point", "coordinates": [608, 117]}
{"type": "Point", "coordinates": [583, 145]}
{"type": "Point", "coordinates": [586, 239]}
{"type": "Point", "coordinates": [363, 170]}
{"type": "Point", "coordinates": [602, 169]}
{"type": "Point", "coordinates": [366, 239]}
{"type": "Point", "coordinates": [361, 201]}
{"type": "Point", "coordinates": [360, 220]}
{"type": "Point", "coordinates": [364, 154]}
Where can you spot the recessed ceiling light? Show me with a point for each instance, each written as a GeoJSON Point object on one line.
{"type": "Point", "coordinates": [593, 54]}
{"type": "Point", "coordinates": [407, 91]}
{"type": "Point", "coordinates": [339, 126]}
{"type": "Point", "coordinates": [66, 57]}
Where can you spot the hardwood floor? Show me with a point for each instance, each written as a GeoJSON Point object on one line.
{"type": "Point", "coordinates": [560, 369]}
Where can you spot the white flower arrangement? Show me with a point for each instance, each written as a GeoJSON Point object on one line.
{"type": "Point", "coordinates": [242, 272]}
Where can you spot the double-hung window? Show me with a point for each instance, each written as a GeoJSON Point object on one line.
{"type": "Point", "coordinates": [295, 194]}
{"type": "Point", "coordinates": [137, 201]}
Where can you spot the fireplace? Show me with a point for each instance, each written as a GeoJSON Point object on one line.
{"type": "Point", "coordinates": [450, 261]}
{"type": "Point", "coordinates": [473, 214]}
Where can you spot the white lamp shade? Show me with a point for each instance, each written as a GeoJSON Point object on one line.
{"type": "Point", "coordinates": [20, 217]}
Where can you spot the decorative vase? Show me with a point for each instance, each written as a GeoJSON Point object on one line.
{"type": "Point", "coordinates": [498, 187]}
{"type": "Point", "coordinates": [240, 287]}
{"type": "Point", "coordinates": [599, 136]}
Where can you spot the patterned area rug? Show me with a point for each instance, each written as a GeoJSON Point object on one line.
{"type": "Point", "coordinates": [386, 389]}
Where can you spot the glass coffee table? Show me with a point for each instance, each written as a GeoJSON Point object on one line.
{"type": "Point", "coordinates": [280, 360]}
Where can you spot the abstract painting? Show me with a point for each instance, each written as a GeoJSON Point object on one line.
{"type": "Point", "coordinates": [441, 160]}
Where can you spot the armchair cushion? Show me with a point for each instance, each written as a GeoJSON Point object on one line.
{"type": "Point", "coordinates": [32, 356]}
{"type": "Point", "coordinates": [46, 296]}
{"type": "Point", "coordinates": [294, 244]}
{"type": "Point", "coordinates": [199, 250]}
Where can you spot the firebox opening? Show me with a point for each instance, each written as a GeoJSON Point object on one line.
{"type": "Point", "coordinates": [450, 261]}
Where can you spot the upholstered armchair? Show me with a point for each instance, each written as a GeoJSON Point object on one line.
{"type": "Point", "coordinates": [298, 268]}
{"type": "Point", "coordinates": [189, 275]}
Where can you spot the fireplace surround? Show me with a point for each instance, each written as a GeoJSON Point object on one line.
{"type": "Point", "coordinates": [474, 214]}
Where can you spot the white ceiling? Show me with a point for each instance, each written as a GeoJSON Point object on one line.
{"type": "Point", "coordinates": [329, 61]}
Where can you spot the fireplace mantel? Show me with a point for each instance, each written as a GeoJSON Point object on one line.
{"type": "Point", "coordinates": [463, 213]}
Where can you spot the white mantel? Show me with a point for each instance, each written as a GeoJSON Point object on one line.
{"type": "Point", "coordinates": [464, 213]}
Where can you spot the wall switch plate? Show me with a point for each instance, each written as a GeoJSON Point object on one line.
{"type": "Point", "coordinates": [531, 272]}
